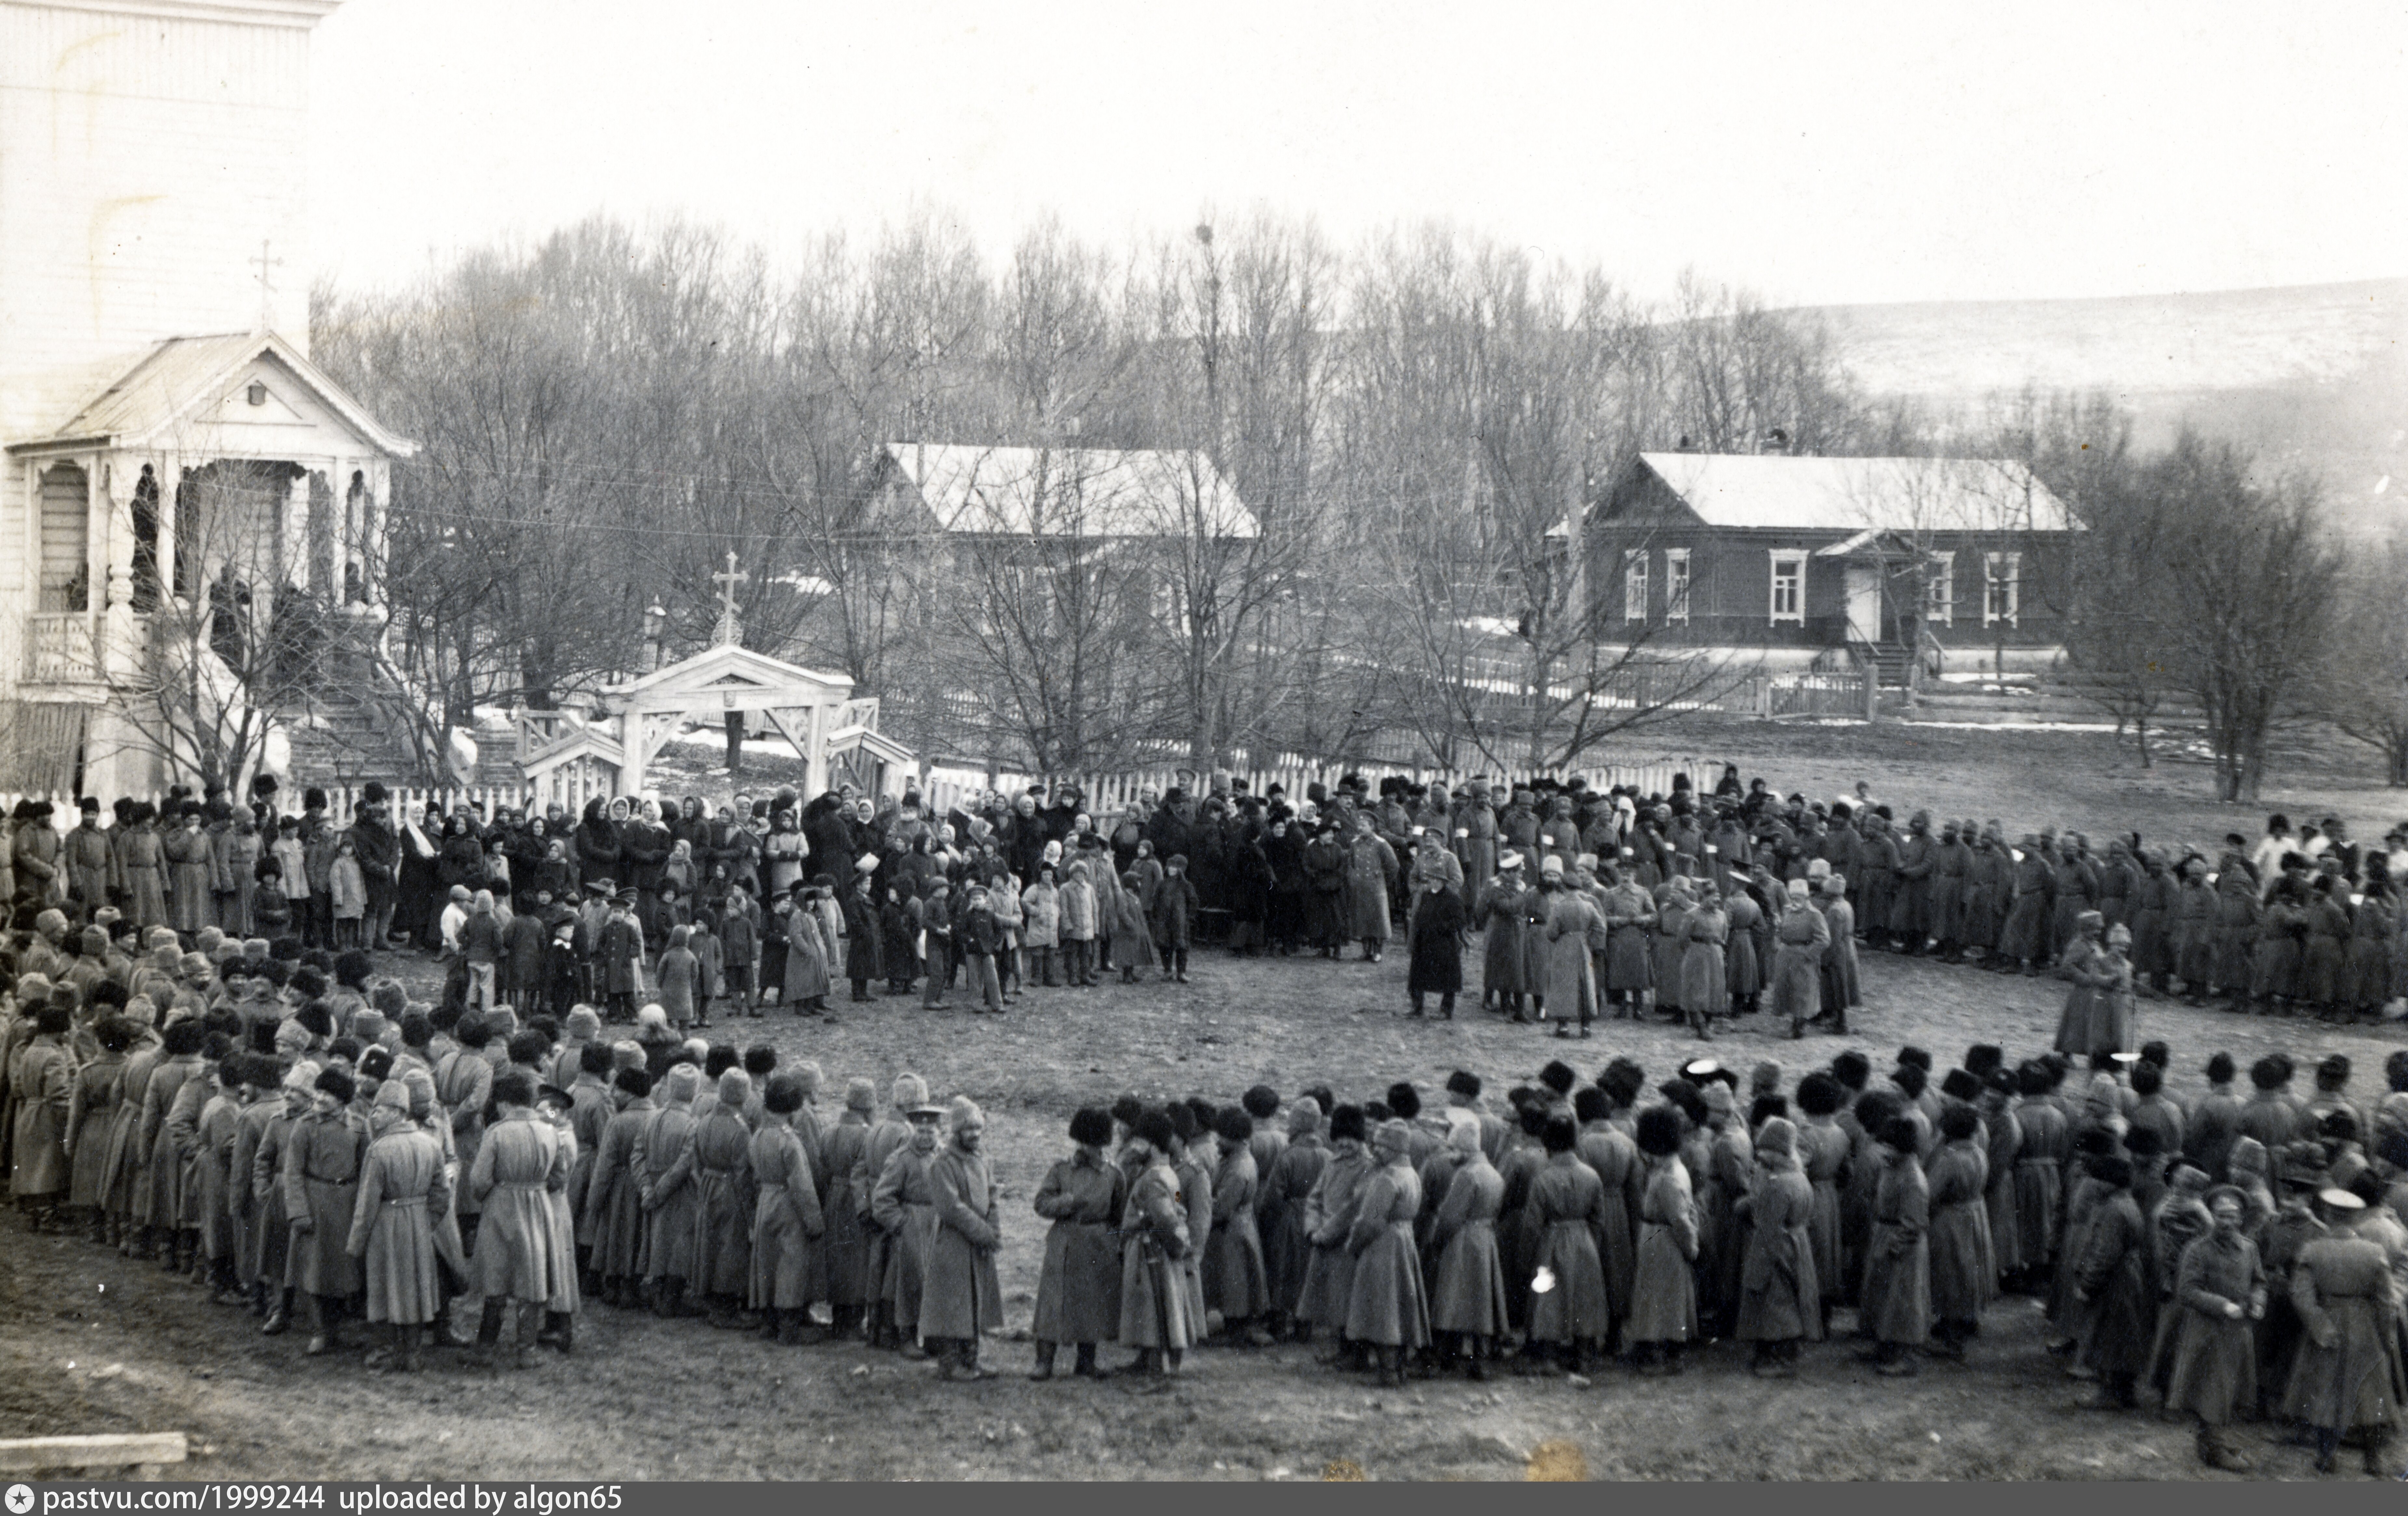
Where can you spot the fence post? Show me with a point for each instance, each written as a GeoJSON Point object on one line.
{"type": "Point", "coordinates": [1872, 695]}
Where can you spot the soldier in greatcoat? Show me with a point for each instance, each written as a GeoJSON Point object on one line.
{"type": "Point", "coordinates": [517, 1262]}
{"type": "Point", "coordinates": [402, 1189]}
{"type": "Point", "coordinates": [788, 1221]}
{"type": "Point", "coordinates": [321, 1158]}
{"type": "Point", "coordinates": [1078, 1290]}
{"type": "Point", "coordinates": [963, 1298]}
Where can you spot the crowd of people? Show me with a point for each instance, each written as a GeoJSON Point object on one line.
{"type": "Point", "coordinates": [295, 1134]}
{"type": "Point", "coordinates": [224, 1083]}
{"type": "Point", "coordinates": [1579, 902]}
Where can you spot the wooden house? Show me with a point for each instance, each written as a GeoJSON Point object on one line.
{"type": "Point", "coordinates": [1810, 556]}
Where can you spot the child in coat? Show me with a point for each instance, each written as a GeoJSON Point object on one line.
{"type": "Point", "coordinates": [711, 981]}
{"type": "Point", "coordinates": [679, 973]}
{"type": "Point", "coordinates": [739, 948]}
{"type": "Point", "coordinates": [902, 952]}
{"type": "Point", "coordinates": [350, 887]}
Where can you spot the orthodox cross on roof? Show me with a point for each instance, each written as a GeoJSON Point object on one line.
{"type": "Point", "coordinates": [266, 286]}
{"type": "Point", "coordinates": [729, 633]}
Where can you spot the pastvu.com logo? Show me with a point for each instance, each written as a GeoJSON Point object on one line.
{"type": "Point", "coordinates": [21, 1499]}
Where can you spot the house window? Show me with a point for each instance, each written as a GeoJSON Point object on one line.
{"type": "Point", "coordinates": [1634, 584]}
{"type": "Point", "coordinates": [1676, 585]}
{"type": "Point", "coordinates": [1939, 589]}
{"type": "Point", "coordinates": [2002, 587]}
{"type": "Point", "coordinates": [1790, 587]}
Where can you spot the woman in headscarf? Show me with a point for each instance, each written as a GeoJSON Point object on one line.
{"type": "Point", "coordinates": [1780, 1290]}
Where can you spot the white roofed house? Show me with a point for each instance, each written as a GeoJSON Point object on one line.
{"type": "Point", "coordinates": [1041, 581]}
{"type": "Point", "coordinates": [191, 511]}
{"type": "Point", "coordinates": [1772, 552]}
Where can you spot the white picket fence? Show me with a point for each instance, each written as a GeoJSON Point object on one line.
{"type": "Point", "coordinates": [943, 787]}
{"type": "Point", "coordinates": [340, 800]}
{"type": "Point", "coordinates": [1109, 794]}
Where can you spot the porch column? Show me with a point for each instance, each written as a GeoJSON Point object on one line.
{"type": "Point", "coordinates": [378, 486]}
{"type": "Point", "coordinates": [115, 476]}
{"type": "Point", "coordinates": [297, 563]}
{"type": "Point", "coordinates": [167, 469]}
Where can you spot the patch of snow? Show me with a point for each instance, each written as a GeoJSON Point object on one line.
{"type": "Point", "coordinates": [2018, 726]}
{"type": "Point", "coordinates": [717, 742]}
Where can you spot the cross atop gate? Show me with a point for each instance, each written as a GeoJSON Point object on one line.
{"type": "Point", "coordinates": [729, 632]}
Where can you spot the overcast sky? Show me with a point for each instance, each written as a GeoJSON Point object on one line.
{"type": "Point", "coordinates": [1836, 153]}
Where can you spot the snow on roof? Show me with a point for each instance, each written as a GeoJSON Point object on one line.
{"type": "Point", "coordinates": [1071, 492]}
{"type": "Point", "coordinates": [1856, 494]}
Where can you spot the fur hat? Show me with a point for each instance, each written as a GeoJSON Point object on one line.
{"type": "Point", "coordinates": [784, 1096]}
{"type": "Point", "coordinates": [1659, 1132]}
{"type": "Point", "coordinates": [1091, 1126]}
{"type": "Point", "coordinates": [1558, 1076]}
{"type": "Point", "coordinates": [1899, 1134]}
{"type": "Point", "coordinates": [682, 1081]}
{"type": "Point", "coordinates": [1348, 1121]}
{"type": "Point", "coordinates": [1404, 1101]}
{"type": "Point", "coordinates": [860, 1095]}
{"type": "Point", "coordinates": [337, 1084]}
{"type": "Point", "coordinates": [1961, 1085]}
{"type": "Point", "coordinates": [1154, 1129]}
{"type": "Point", "coordinates": [1303, 1116]}
{"type": "Point", "coordinates": [909, 1091]}
{"type": "Point", "coordinates": [2144, 1142]}
{"type": "Point", "coordinates": [1776, 1139]}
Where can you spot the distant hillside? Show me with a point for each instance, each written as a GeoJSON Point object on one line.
{"type": "Point", "coordinates": [2316, 375]}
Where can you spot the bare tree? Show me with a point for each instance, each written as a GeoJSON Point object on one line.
{"type": "Point", "coordinates": [2365, 689]}
{"type": "Point", "coordinates": [2250, 574]}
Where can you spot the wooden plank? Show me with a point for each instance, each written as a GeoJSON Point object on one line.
{"type": "Point", "coordinates": [114, 1450]}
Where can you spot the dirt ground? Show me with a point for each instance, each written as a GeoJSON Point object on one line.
{"type": "Point", "coordinates": [91, 1343]}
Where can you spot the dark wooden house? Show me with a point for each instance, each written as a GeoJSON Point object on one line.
{"type": "Point", "coordinates": [1813, 555]}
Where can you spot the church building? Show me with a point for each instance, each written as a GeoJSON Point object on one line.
{"type": "Point", "coordinates": [191, 512]}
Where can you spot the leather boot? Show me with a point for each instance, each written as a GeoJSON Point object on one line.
{"type": "Point", "coordinates": [1044, 1369]}
{"type": "Point", "coordinates": [280, 1314]}
{"type": "Point", "coordinates": [321, 1327]}
{"type": "Point", "coordinates": [522, 1319]}
{"type": "Point", "coordinates": [485, 1354]}
{"type": "Point", "coordinates": [769, 1322]}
